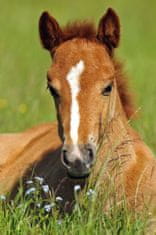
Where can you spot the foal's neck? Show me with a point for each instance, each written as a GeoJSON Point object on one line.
{"type": "Point", "coordinates": [116, 151]}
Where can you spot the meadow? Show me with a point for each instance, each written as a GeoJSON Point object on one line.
{"type": "Point", "coordinates": [25, 101]}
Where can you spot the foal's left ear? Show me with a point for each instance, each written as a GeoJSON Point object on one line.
{"type": "Point", "coordinates": [109, 30]}
{"type": "Point", "coordinates": [50, 32]}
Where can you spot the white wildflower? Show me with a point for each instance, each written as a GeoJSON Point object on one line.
{"type": "Point", "coordinates": [38, 205]}
{"type": "Point", "coordinates": [77, 188]}
{"type": "Point", "coordinates": [39, 179]}
{"type": "Point", "coordinates": [59, 199]}
{"type": "Point", "coordinates": [30, 190]}
{"type": "Point", "coordinates": [45, 188]}
{"type": "Point", "coordinates": [48, 207]}
{"type": "Point", "coordinates": [90, 192]}
{"type": "Point", "coordinates": [2, 197]}
{"type": "Point", "coordinates": [29, 182]}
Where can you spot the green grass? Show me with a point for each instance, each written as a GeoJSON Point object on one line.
{"type": "Point", "coordinates": [22, 216]}
{"type": "Point", "coordinates": [24, 101]}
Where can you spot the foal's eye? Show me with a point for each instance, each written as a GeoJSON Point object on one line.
{"type": "Point", "coordinates": [107, 90]}
{"type": "Point", "coordinates": [53, 91]}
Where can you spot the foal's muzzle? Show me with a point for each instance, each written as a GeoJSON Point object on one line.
{"type": "Point", "coordinates": [78, 159]}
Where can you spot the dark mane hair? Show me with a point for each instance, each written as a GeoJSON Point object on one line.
{"type": "Point", "coordinates": [80, 29]}
{"type": "Point", "coordinates": [124, 90]}
{"type": "Point", "coordinates": [87, 30]}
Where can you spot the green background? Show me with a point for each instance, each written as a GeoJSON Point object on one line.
{"type": "Point", "coordinates": [24, 100]}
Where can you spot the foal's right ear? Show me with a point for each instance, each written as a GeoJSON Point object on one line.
{"type": "Point", "coordinates": [50, 32]}
{"type": "Point", "coordinates": [109, 30]}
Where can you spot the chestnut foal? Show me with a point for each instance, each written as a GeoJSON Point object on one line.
{"type": "Point", "coordinates": [93, 106]}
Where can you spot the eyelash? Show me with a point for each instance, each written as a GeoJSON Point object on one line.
{"type": "Point", "coordinates": [53, 91]}
{"type": "Point", "coordinates": [107, 90]}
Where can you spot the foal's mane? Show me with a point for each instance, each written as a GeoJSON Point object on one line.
{"type": "Point", "coordinates": [87, 30]}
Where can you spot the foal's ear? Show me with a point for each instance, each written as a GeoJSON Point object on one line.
{"type": "Point", "coordinates": [109, 30]}
{"type": "Point", "coordinates": [50, 32]}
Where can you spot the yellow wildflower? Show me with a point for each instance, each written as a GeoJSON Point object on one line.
{"type": "Point", "coordinates": [22, 108]}
{"type": "Point", "coordinates": [3, 103]}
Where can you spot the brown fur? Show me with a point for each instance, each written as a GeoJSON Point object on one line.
{"type": "Point", "coordinates": [87, 30]}
{"type": "Point", "coordinates": [129, 163]}
{"type": "Point", "coordinates": [108, 35]}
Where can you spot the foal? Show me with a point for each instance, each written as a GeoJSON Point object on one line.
{"type": "Point", "coordinates": [93, 108]}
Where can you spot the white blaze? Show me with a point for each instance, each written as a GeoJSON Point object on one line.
{"type": "Point", "coordinates": [73, 77]}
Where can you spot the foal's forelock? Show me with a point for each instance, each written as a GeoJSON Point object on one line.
{"type": "Point", "coordinates": [73, 78]}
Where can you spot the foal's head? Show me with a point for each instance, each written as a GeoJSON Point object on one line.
{"type": "Point", "coordinates": [82, 82]}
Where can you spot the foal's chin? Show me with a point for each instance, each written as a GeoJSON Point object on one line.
{"type": "Point", "coordinates": [77, 175]}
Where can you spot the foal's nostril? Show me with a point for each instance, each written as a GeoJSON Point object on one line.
{"type": "Point", "coordinates": [65, 158]}
{"type": "Point", "coordinates": [90, 154]}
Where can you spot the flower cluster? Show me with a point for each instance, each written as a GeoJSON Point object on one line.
{"type": "Point", "coordinates": [40, 195]}
{"type": "Point", "coordinates": [35, 188]}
